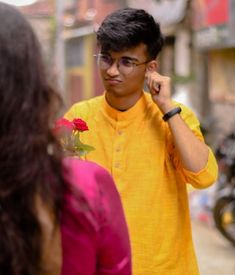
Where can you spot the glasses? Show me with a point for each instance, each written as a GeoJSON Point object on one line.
{"type": "Point", "coordinates": [125, 65]}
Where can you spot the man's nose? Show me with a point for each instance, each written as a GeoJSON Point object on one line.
{"type": "Point", "coordinates": [113, 69]}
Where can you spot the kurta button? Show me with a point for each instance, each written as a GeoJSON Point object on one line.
{"type": "Point", "coordinates": [116, 165]}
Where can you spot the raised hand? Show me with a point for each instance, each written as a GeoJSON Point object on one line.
{"type": "Point", "coordinates": [160, 89]}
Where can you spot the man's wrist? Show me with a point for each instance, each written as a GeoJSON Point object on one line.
{"type": "Point", "coordinates": [171, 113]}
{"type": "Point", "coordinates": [166, 107]}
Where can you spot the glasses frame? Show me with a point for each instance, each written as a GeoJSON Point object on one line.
{"type": "Point", "coordinates": [133, 63]}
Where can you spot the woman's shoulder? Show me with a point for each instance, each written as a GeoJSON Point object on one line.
{"type": "Point", "coordinates": [85, 173]}
{"type": "Point", "coordinates": [93, 181]}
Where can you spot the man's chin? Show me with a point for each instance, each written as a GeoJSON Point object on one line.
{"type": "Point", "coordinates": [115, 92]}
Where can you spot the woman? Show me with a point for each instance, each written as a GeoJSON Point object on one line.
{"type": "Point", "coordinates": [57, 216]}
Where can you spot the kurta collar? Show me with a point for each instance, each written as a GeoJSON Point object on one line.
{"type": "Point", "coordinates": [130, 114]}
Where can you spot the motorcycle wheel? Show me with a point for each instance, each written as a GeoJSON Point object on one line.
{"type": "Point", "coordinates": [224, 217]}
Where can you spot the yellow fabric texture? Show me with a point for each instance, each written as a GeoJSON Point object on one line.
{"type": "Point", "coordinates": [137, 148]}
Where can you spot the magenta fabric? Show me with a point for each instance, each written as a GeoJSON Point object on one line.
{"type": "Point", "coordinates": [93, 228]}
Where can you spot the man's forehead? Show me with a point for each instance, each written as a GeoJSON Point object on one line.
{"type": "Point", "coordinates": [139, 50]}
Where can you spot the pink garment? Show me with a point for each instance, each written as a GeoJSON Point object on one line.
{"type": "Point", "coordinates": [94, 232]}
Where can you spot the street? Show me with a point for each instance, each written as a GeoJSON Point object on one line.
{"type": "Point", "coordinates": [215, 254]}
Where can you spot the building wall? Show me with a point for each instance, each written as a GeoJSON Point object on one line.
{"type": "Point", "coordinates": [44, 28]}
{"type": "Point", "coordinates": [96, 10]}
{"type": "Point", "coordinates": [79, 64]}
{"type": "Point", "coordinates": [41, 15]}
{"type": "Point", "coordinates": [221, 75]}
{"type": "Point", "coordinates": [222, 89]}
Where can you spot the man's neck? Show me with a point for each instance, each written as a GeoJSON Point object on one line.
{"type": "Point", "coordinates": [122, 103]}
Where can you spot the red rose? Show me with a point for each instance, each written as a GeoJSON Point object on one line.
{"type": "Point", "coordinates": [80, 125]}
{"type": "Point", "coordinates": [63, 126]}
{"type": "Point", "coordinates": [63, 122]}
{"type": "Point", "coordinates": [68, 135]}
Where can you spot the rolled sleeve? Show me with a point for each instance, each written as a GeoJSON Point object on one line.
{"type": "Point", "coordinates": [205, 177]}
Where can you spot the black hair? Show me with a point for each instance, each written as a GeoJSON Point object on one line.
{"type": "Point", "coordinates": [127, 28]}
{"type": "Point", "coordinates": [28, 167]}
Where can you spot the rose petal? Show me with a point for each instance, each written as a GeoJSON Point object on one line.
{"type": "Point", "coordinates": [80, 125]}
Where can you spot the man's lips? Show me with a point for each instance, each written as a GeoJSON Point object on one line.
{"type": "Point", "coordinates": [113, 81]}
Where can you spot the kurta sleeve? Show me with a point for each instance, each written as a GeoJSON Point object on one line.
{"type": "Point", "coordinates": [206, 176]}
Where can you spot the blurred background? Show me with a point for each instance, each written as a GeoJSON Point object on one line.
{"type": "Point", "coordinates": [199, 55]}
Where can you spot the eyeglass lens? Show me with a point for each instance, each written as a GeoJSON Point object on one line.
{"type": "Point", "coordinates": [125, 65]}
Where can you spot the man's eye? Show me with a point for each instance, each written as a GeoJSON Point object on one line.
{"type": "Point", "coordinates": [106, 59]}
{"type": "Point", "coordinates": [126, 62]}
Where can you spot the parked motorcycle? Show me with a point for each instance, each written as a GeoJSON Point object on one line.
{"type": "Point", "coordinates": [224, 207]}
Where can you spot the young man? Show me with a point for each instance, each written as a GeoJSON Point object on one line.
{"type": "Point", "coordinates": [151, 145]}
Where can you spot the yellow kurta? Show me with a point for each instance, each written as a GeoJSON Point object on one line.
{"type": "Point", "coordinates": [137, 148]}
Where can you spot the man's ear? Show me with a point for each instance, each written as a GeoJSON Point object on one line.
{"type": "Point", "coordinates": [152, 66]}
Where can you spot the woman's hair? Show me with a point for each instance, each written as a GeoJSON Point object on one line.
{"type": "Point", "coordinates": [127, 28]}
{"type": "Point", "coordinates": [30, 157]}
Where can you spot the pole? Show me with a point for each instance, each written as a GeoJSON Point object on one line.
{"type": "Point", "coordinates": [59, 47]}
